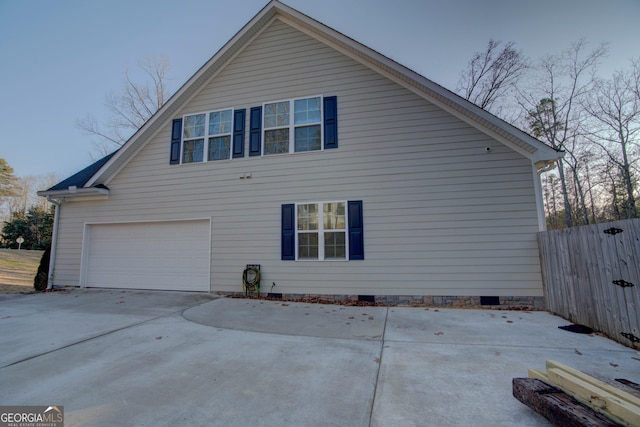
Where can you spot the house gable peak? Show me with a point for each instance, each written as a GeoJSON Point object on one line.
{"type": "Point", "coordinates": [530, 147]}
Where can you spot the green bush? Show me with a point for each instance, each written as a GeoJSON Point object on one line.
{"type": "Point", "coordinates": [42, 276]}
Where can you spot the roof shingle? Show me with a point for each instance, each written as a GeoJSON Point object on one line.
{"type": "Point", "coordinates": [79, 179]}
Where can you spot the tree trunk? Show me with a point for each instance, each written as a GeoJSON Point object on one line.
{"type": "Point", "coordinates": [631, 200]}
{"type": "Point", "coordinates": [565, 194]}
{"type": "Point", "coordinates": [580, 194]}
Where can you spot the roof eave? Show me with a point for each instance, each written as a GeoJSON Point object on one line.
{"type": "Point", "coordinates": [544, 161]}
{"type": "Point", "coordinates": [77, 194]}
{"type": "Point", "coordinates": [465, 110]}
{"type": "Point", "coordinates": [429, 90]}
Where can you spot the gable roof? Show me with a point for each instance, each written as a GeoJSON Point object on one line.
{"type": "Point", "coordinates": [105, 169]}
{"type": "Point", "coordinates": [79, 179]}
{"type": "Point", "coordinates": [75, 184]}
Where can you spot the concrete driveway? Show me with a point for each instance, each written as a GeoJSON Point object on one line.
{"type": "Point", "coordinates": [170, 359]}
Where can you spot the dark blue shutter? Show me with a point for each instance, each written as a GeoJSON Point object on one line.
{"type": "Point", "coordinates": [255, 131]}
{"type": "Point", "coordinates": [176, 134]}
{"type": "Point", "coordinates": [238, 132]}
{"type": "Point", "coordinates": [288, 240]}
{"type": "Point", "coordinates": [330, 122]}
{"type": "Point", "coordinates": [356, 235]}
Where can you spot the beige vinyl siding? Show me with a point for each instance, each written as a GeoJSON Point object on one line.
{"type": "Point", "coordinates": [441, 216]}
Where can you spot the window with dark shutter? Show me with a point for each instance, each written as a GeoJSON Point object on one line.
{"type": "Point", "coordinates": [288, 239]}
{"type": "Point", "coordinates": [255, 130]}
{"type": "Point", "coordinates": [176, 134]}
{"type": "Point", "coordinates": [238, 133]}
{"type": "Point", "coordinates": [322, 231]}
{"type": "Point", "coordinates": [330, 122]}
{"type": "Point", "coordinates": [356, 235]}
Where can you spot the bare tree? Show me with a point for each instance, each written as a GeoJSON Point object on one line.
{"type": "Point", "coordinates": [492, 75]}
{"type": "Point", "coordinates": [588, 159]}
{"type": "Point", "coordinates": [577, 164]}
{"type": "Point", "coordinates": [550, 182]}
{"type": "Point", "coordinates": [130, 108]}
{"type": "Point", "coordinates": [552, 103]}
{"type": "Point", "coordinates": [25, 194]}
{"type": "Point", "coordinates": [614, 110]}
{"type": "Point", "coordinates": [614, 189]}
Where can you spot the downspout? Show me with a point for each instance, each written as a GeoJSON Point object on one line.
{"type": "Point", "coordinates": [537, 189]}
{"type": "Point", "coordinates": [538, 169]}
{"type": "Point", "coordinates": [54, 240]}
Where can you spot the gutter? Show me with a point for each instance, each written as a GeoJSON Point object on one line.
{"type": "Point", "coordinates": [547, 163]}
{"type": "Point", "coordinates": [74, 192]}
{"type": "Point", "coordinates": [54, 241]}
{"type": "Point", "coordinates": [57, 198]}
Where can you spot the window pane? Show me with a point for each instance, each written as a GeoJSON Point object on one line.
{"type": "Point", "coordinates": [334, 216]}
{"type": "Point", "coordinates": [276, 141]}
{"type": "Point", "coordinates": [334, 245]}
{"type": "Point", "coordinates": [220, 122]}
{"type": "Point", "coordinates": [308, 139]}
{"type": "Point", "coordinates": [194, 126]}
{"type": "Point", "coordinates": [306, 111]}
{"type": "Point", "coordinates": [219, 148]}
{"type": "Point", "coordinates": [308, 217]}
{"type": "Point", "coordinates": [193, 151]}
{"type": "Point", "coordinates": [308, 246]}
{"type": "Point", "coordinates": [276, 114]}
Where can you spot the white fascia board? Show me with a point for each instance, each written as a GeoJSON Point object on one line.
{"type": "Point", "coordinates": [77, 194]}
{"type": "Point", "coordinates": [432, 92]}
{"type": "Point", "coordinates": [425, 88]}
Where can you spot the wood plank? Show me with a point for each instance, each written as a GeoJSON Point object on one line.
{"type": "Point", "coordinates": [538, 375]}
{"type": "Point", "coordinates": [556, 406]}
{"type": "Point", "coordinates": [621, 394]}
{"type": "Point", "coordinates": [598, 399]}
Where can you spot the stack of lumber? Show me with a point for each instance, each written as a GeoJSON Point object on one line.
{"type": "Point", "coordinates": [568, 397]}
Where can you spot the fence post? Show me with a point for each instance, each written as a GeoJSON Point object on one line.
{"type": "Point", "coordinates": [620, 280]}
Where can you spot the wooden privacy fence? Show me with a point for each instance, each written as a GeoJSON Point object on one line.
{"type": "Point", "coordinates": [591, 277]}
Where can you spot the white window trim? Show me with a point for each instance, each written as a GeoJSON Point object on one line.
{"type": "Point", "coordinates": [206, 136]}
{"type": "Point", "coordinates": [321, 230]}
{"type": "Point", "coordinates": [292, 126]}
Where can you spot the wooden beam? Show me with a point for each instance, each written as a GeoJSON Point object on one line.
{"type": "Point", "coordinates": [597, 398]}
{"type": "Point", "coordinates": [556, 406]}
{"type": "Point", "coordinates": [538, 374]}
{"type": "Point", "coordinates": [621, 394]}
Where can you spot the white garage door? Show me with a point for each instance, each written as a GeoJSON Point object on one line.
{"type": "Point", "coordinates": [171, 255]}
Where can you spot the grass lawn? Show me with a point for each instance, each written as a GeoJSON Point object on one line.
{"type": "Point", "coordinates": [17, 270]}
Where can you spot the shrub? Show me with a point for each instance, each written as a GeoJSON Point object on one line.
{"type": "Point", "coordinates": [42, 276]}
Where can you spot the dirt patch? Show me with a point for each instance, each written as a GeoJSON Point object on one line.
{"type": "Point", "coordinates": [17, 270]}
{"type": "Point", "coordinates": [16, 289]}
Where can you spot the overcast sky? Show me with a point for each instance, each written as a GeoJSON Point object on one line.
{"type": "Point", "coordinates": [59, 58]}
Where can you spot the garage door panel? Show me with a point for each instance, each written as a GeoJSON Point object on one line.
{"type": "Point", "coordinates": [172, 255]}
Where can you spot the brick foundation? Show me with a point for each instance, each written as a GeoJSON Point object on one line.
{"type": "Point", "coordinates": [506, 302]}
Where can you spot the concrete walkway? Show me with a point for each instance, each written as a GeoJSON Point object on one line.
{"type": "Point", "coordinates": [172, 359]}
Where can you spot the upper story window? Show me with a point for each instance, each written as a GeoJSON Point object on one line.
{"type": "Point", "coordinates": [220, 135]}
{"type": "Point", "coordinates": [208, 133]}
{"type": "Point", "coordinates": [293, 126]}
{"type": "Point", "coordinates": [192, 138]}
